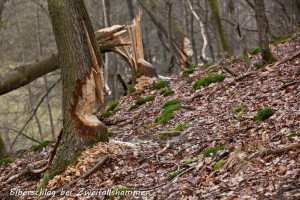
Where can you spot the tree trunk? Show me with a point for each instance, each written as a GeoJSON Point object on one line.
{"type": "Point", "coordinates": [218, 27]}
{"type": "Point", "coordinates": [81, 74]}
{"type": "Point", "coordinates": [2, 148]}
{"type": "Point", "coordinates": [263, 31]}
{"type": "Point", "coordinates": [130, 9]}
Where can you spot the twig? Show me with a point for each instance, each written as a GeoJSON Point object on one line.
{"type": "Point", "coordinates": [231, 72]}
{"type": "Point", "coordinates": [245, 75]}
{"type": "Point", "coordinates": [52, 154]}
{"type": "Point", "coordinates": [281, 150]}
{"type": "Point", "coordinates": [34, 112]}
{"type": "Point", "coordinates": [288, 84]}
{"type": "Point", "coordinates": [287, 58]}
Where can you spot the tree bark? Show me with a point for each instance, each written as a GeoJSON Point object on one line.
{"type": "Point", "coordinates": [2, 148]}
{"type": "Point", "coordinates": [130, 9]}
{"type": "Point", "coordinates": [218, 27]}
{"type": "Point", "coordinates": [81, 72]}
{"type": "Point", "coordinates": [263, 31]}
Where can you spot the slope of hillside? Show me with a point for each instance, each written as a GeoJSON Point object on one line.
{"type": "Point", "coordinates": [208, 143]}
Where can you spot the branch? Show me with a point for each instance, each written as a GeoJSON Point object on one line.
{"type": "Point", "coordinates": [52, 154]}
{"type": "Point", "coordinates": [24, 75]}
{"type": "Point", "coordinates": [287, 58]}
{"type": "Point", "coordinates": [281, 150]}
{"type": "Point", "coordinates": [34, 112]}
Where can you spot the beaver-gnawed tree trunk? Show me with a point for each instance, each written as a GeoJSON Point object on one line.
{"type": "Point", "coordinates": [82, 81]}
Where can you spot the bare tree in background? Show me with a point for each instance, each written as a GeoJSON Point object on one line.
{"type": "Point", "coordinates": [263, 31]}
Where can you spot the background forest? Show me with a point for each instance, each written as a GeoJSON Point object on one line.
{"type": "Point", "coordinates": [26, 35]}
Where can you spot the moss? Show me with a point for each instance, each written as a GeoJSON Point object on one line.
{"type": "Point", "coordinates": [132, 88]}
{"type": "Point", "coordinates": [122, 191]}
{"type": "Point", "coordinates": [172, 108]}
{"type": "Point", "coordinates": [171, 102]}
{"type": "Point", "coordinates": [110, 133]}
{"type": "Point", "coordinates": [297, 73]}
{"type": "Point", "coordinates": [293, 134]}
{"type": "Point", "coordinates": [280, 39]}
{"type": "Point", "coordinates": [44, 181]}
{"type": "Point", "coordinates": [235, 60]}
{"type": "Point", "coordinates": [213, 151]}
{"type": "Point", "coordinates": [112, 105]}
{"type": "Point", "coordinates": [133, 107]}
{"type": "Point", "coordinates": [168, 113]}
{"type": "Point", "coordinates": [167, 92]}
{"type": "Point", "coordinates": [107, 114]}
{"type": "Point", "coordinates": [215, 78]}
{"type": "Point", "coordinates": [145, 100]}
{"type": "Point", "coordinates": [41, 146]}
{"type": "Point", "coordinates": [290, 80]}
{"type": "Point", "coordinates": [188, 71]}
{"type": "Point", "coordinates": [268, 57]}
{"type": "Point", "coordinates": [165, 135]}
{"type": "Point", "coordinates": [219, 164]}
{"type": "Point", "coordinates": [264, 114]}
{"type": "Point", "coordinates": [214, 69]}
{"type": "Point", "coordinates": [189, 162]}
{"type": "Point", "coordinates": [164, 118]}
{"type": "Point", "coordinates": [161, 84]}
{"type": "Point", "coordinates": [238, 109]}
{"type": "Point", "coordinates": [6, 160]}
{"type": "Point", "coordinates": [181, 127]}
{"type": "Point", "coordinates": [255, 51]}
{"type": "Point", "coordinates": [207, 64]}
{"type": "Point", "coordinates": [172, 176]}
{"type": "Point", "coordinates": [239, 116]}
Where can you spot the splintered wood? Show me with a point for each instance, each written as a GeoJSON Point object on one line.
{"type": "Point", "coordinates": [87, 160]}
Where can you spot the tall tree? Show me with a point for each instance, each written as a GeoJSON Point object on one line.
{"type": "Point", "coordinates": [81, 72]}
{"type": "Point", "coordinates": [263, 31]}
{"type": "Point", "coordinates": [219, 30]}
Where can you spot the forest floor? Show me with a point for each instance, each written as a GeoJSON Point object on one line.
{"type": "Point", "coordinates": [221, 150]}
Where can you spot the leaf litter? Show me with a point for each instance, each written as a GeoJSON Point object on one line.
{"type": "Point", "coordinates": [145, 162]}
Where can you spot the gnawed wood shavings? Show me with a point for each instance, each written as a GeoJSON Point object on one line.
{"type": "Point", "coordinates": [87, 160]}
{"type": "Point", "coordinates": [144, 82]}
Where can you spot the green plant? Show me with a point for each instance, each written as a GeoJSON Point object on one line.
{"type": "Point", "coordinates": [290, 80]}
{"type": "Point", "coordinates": [145, 100]}
{"type": "Point", "coordinates": [207, 64]}
{"type": "Point", "coordinates": [112, 105]}
{"type": "Point", "coordinates": [298, 73]}
{"type": "Point", "coordinates": [110, 133]}
{"type": "Point", "coordinates": [167, 92]}
{"type": "Point", "coordinates": [215, 78]}
{"type": "Point", "coordinates": [213, 151]}
{"type": "Point", "coordinates": [165, 135]}
{"type": "Point", "coordinates": [293, 134]}
{"type": "Point", "coordinates": [168, 113]}
{"type": "Point", "coordinates": [214, 69]}
{"type": "Point", "coordinates": [133, 107]}
{"type": "Point", "coordinates": [238, 109]}
{"type": "Point", "coordinates": [264, 114]}
{"type": "Point", "coordinates": [181, 127]}
{"type": "Point", "coordinates": [161, 84]}
{"type": "Point", "coordinates": [189, 162]}
{"type": "Point", "coordinates": [107, 114]}
{"type": "Point", "coordinates": [280, 39]}
{"type": "Point", "coordinates": [172, 176]}
{"type": "Point", "coordinates": [188, 71]}
{"type": "Point", "coordinates": [6, 160]}
{"type": "Point", "coordinates": [171, 102]}
{"type": "Point", "coordinates": [41, 146]}
{"type": "Point", "coordinates": [255, 51]}
{"type": "Point", "coordinates": [219, 164]}
{"type": "Point", "coordinates": [239, 116]}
